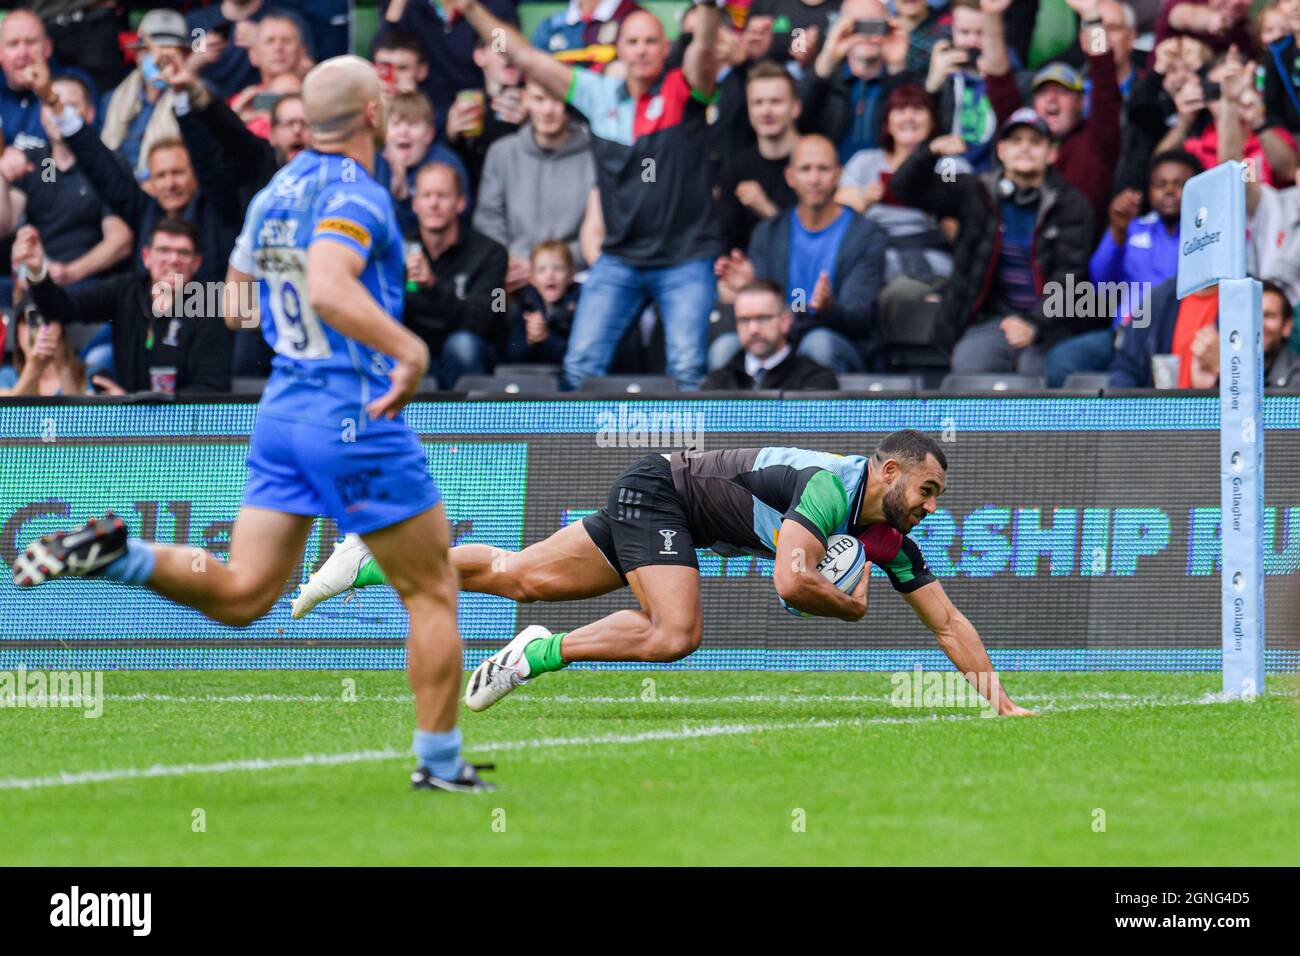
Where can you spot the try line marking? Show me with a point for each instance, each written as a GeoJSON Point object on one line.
{"type": "Point", "coordinates": [255, 764]}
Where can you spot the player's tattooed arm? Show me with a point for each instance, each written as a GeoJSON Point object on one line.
{"type": "Point", "coordinates": [961, 642]}
{"type": "Point", "coordinates": [795, 576]}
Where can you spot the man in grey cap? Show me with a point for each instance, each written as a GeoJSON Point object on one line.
{"type": "Point", "coordinates": [1088, 148]}
{"type": "Point", "coordinates": [140, 110]}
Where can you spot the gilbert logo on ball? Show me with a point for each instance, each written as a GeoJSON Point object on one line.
{"type": "Point", "coordinates": [843, 566]}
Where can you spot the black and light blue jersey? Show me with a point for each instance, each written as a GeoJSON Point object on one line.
{"type": "Point", "coordinates": [736, 501]}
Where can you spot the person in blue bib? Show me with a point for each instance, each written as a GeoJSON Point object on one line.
{"type": "Point", "coordinates": [322, 247]}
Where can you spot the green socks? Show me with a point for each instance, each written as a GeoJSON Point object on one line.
{"type": "Point", "coordinates": [543, 654]}
{"type": "Point", "coordinates": [369, 573]}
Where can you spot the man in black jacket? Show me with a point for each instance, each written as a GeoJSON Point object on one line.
{"type": "Point", "coordinates": [455, 281]}
{"type": "Point", "coordinates": [766, 359]}
{"type": "Point", "coordinates": [1023, 231]}
{"type": "Point", "coordinates": [165, 338]}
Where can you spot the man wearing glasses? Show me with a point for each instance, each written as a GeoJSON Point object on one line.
{"type": "Point", "coordinates": [766, 359]}
{"type": "Point", "coordinates": [166, 338]}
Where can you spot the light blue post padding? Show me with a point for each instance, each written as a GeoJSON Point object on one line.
{"type": "Point", "coordinates": [1241, 463]}
{"type": "Point", "coordinates": [1212, 234]}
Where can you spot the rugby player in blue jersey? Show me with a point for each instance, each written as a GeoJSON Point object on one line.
{"type": "Point", "coordinates": [773, 502]}
{"type": "Point", "coordinates": [322, 243]}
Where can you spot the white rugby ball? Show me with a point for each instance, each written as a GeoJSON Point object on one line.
{"type": "Point", "coordinates": [843, 565]}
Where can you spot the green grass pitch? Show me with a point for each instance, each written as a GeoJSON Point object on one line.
{"type": "Point", "coordinates": [717, 768]}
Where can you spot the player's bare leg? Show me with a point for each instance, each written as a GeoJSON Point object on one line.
{"type": "Point", "coordinates": [264, 548]}
{"type": "Point", "coordinates": [566, 566]}
{"type": "Point", "coordinates": [413, 554]}
{"type": "Point", "coordinates": [667, 628]}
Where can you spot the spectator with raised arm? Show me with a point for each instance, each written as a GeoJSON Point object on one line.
{"type": "Point", "coordinates": [1022, 232]}
{"type": "Point", "coordinates": [448, 40]}
{"type": "Point", "coordinates": [1219, 24]}
{"type": "Point", "coordinates": [1200, 99]}
{"type": "Point", "coordinates": [660, 234]}
{"type": "Point", "coordinates": [25, 50]}
{"type": "Point", "coordinates": [160, 344]}
{"type": "Point", "coordinates": [584, 33]}
{"type": "Point", "coordinates": [482, 116]}
{"type": "Point", "coordinates": [1087, 148]}
{"type": "Point", "coordinates": [139, 113]}
{"type": "Point", "coordinates": [829, 260]}
{"type": "Point", "coordinates": [249, 161]}
{"type": "Point", "coordinates": [172, 190]}
{"type": "Point", "coordinates": [45, 187]}
{"type": "Point", "coordinates": [844, 93]}
{"type": "Point", "coordinates": [44, 362]}
{"type": "Point", "coordinates": [535, 184]}
{"type": "Point", "coordinates": [280, 54]}
{"type": "Point", "coordinates": [954, 80]}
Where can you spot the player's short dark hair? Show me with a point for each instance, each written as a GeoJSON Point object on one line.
{"type": "Point", "coordinates": [1180, 156]}
{"type": "Point", "coordinates": [171, 226]}
{"type": "Point", "coordinates": [401, 40]}
{"type": "Point", "coordinates": [1277, 290]}
{"type": "Point", "coordinates": [910, 447]}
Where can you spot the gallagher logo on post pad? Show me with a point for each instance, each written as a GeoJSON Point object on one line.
{"type": "Point", "coordinates": [1212, 230]}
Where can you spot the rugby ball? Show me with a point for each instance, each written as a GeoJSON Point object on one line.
{"type": "Point", "coordinates": [843, 565]}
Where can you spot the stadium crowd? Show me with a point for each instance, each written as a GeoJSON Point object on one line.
{"type": "Point", "coordinates": [788, 195]}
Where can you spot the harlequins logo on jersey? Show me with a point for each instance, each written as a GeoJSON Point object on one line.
{"type": "Point", "coordinates": [668, 542]}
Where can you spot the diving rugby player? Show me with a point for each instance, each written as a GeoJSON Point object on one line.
{"type": "Point", "coordinates": [780, 503]}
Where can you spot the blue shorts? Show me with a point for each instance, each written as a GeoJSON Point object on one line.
{"type": "Point", "coordinates": [376, 481]}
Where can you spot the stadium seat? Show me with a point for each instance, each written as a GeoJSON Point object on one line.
{"type": "Point", "coordinates": [509, 370]}
{"type": "Point", "coordinates": [507, 385]}
{"type": "Point", "coordinates": [1087, 381]}
{"type": "Point", "coordinates": [247, 385]}
{"type": "Point", "coordinates": [991, 383]}
{"type": "Point", "coordinates": [628, 384]}
{"type": "Point", "coordinates": [869, 382]}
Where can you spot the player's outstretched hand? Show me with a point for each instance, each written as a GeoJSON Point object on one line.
{"type": "Point", "coordinates": [405, 378]}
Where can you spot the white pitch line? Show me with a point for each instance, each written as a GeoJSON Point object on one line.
{"type": "Point", "coordinates": [571, 698]}
{"type": "Point", "coordinates": [66, 779]}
